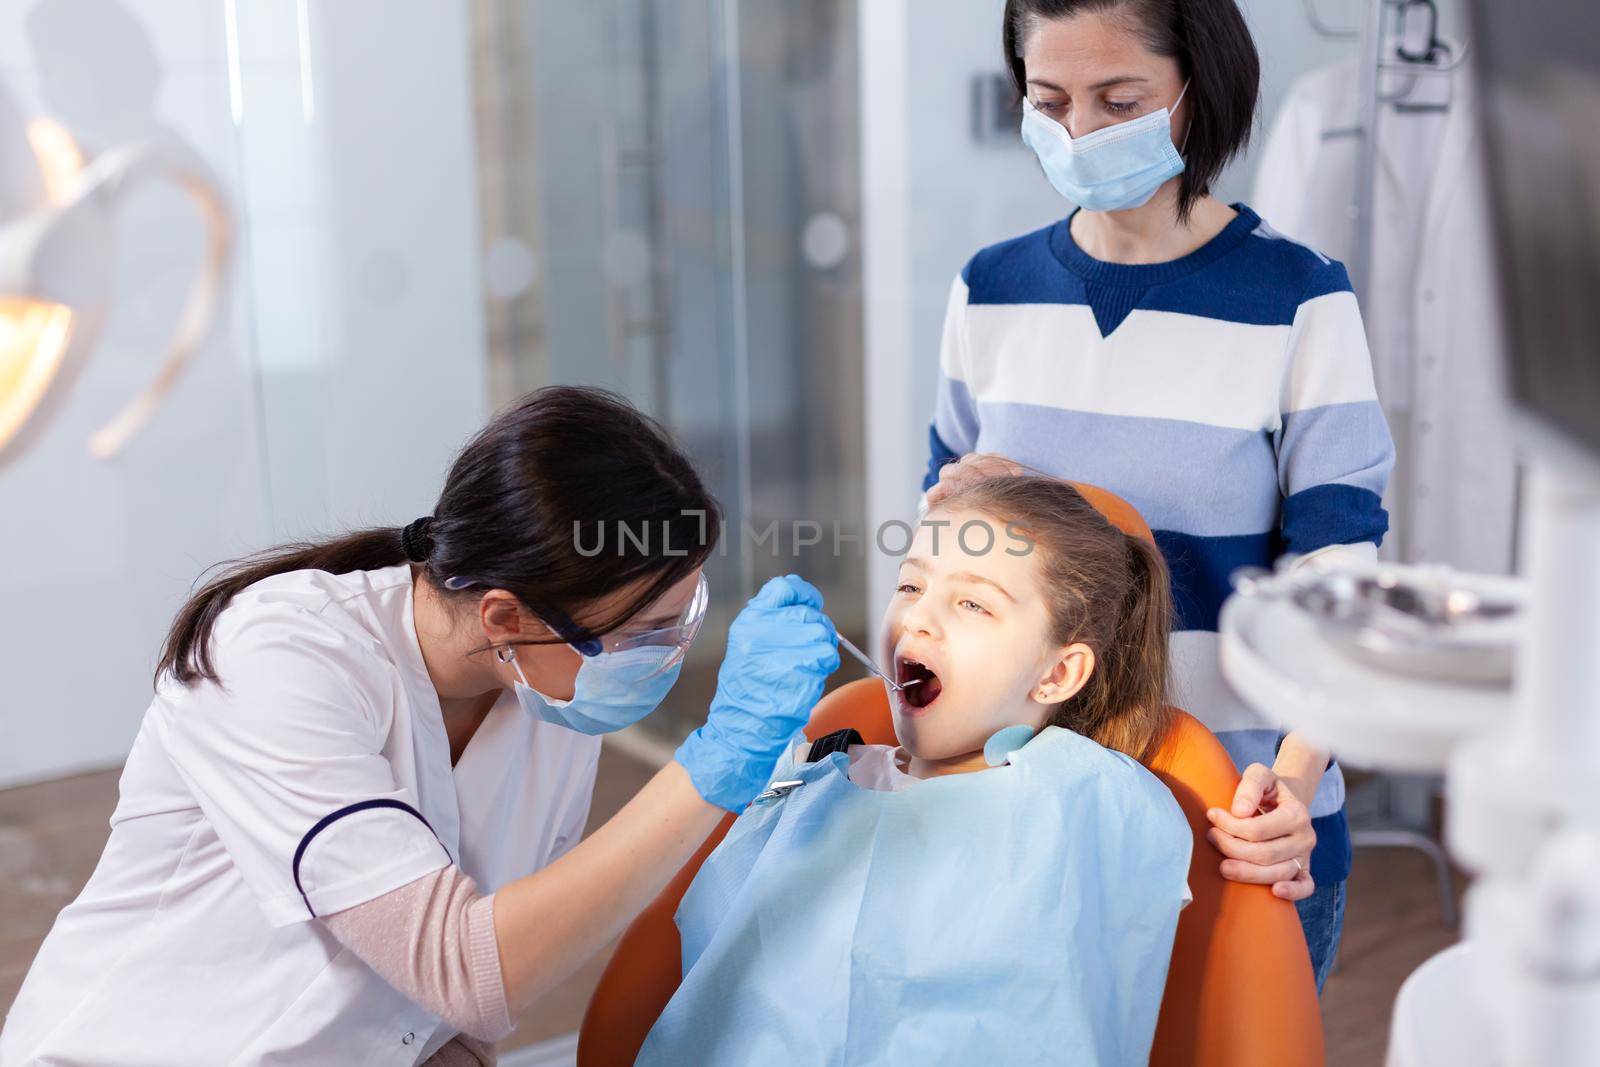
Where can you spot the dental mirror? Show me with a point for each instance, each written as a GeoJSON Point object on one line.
{"type": "Point", "coordinates": [866, 661]}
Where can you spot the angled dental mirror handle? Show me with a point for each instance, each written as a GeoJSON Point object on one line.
{"type": "Point", "coordinates": [867, 662]}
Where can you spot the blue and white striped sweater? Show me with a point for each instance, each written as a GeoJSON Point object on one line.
{"type": "Point", "coordinates": [1227, 395]}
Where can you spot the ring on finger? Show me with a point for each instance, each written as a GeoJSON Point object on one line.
{"type": "Point", "coordinates": [1299, 868]}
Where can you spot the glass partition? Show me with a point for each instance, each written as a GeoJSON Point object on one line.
{"type": "Point", "coordinates": [669, 195]}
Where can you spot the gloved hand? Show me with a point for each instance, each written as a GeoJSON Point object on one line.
{"type": "Point", "coordinates": [781, 649]}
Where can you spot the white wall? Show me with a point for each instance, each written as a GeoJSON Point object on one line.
{"type": "Point", "coordinates": [345, 373]}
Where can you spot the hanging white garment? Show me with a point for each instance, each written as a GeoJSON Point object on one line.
{"type": "Point", "coordinates": [1431, 307]}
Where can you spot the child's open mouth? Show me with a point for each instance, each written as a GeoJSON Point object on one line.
{"type": "Point", "coordinates": [927, 687]}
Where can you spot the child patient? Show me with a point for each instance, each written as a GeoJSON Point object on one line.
{"type": "Point", "coordinates": [1003, 887]}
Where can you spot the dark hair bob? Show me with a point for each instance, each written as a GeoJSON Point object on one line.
{"type": "Point", "coordinates": [1214, 50]}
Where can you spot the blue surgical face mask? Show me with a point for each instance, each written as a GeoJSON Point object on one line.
{"type": "Point", "coordinates": [612, 690]}
{"type": "Point", "coordinates": [1114, 169]}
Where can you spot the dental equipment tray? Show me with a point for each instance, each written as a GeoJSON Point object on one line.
{"type": "Point", "coordinates": [1390, 665]}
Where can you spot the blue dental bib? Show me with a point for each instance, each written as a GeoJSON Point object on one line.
{"type": "Point", "coordinates": [1019, 915]}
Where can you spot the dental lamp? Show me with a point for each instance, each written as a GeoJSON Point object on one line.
{"type": "Point", "coordinates": [56, 283]}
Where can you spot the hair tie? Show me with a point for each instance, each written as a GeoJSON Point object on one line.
{"type": "Point", "coordinates": [416, 540]}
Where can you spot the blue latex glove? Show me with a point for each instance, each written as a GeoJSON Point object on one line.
{"type": "Point", "coordinates": [781, 649]}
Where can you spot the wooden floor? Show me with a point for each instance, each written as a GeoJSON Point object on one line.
{"type": "Point", "coordinates": [52, 834]}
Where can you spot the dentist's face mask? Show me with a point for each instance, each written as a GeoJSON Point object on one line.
{"type": "Point", "coordinates": [1112, 169]}
{"type": "Point", "coordinates": [624, 675]}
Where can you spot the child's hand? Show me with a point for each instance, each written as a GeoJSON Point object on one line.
{"type": "Point", "coordinates": [1267, 837]}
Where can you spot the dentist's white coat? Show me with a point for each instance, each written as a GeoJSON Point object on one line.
{"type": "Point", "coordinates": [195, 940]}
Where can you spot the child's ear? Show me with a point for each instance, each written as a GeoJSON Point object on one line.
{"type": "Point", "coordinates": [1068, 674]}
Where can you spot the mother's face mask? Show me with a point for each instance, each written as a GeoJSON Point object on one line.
{"type": "Point", "coordinates": [1115, 168]}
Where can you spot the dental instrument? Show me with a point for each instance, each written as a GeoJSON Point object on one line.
{"type": "Point", "coordinates": [867, 662]}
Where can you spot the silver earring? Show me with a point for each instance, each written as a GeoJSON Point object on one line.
{"type": "Point", "coordinates": [506, 654]}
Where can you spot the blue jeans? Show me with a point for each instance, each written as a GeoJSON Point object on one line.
{"type": "Point", "coordinates": [1322, 918]}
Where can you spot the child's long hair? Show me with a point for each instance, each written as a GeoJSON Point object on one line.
{"type": "Point", "coordinates": [1107, 590]}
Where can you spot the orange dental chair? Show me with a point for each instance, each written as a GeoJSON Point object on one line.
{"type": "Point", "coordinates": [1239, 990]}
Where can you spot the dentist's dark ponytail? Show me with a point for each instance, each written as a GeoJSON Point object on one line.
{"type": "Point", "coordinates": [522, 509]}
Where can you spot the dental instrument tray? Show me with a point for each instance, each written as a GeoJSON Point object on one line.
{"type": "Point", "coordinates": [1391, 665]}
{"type": "Point", "coordinates": [1427, 622]}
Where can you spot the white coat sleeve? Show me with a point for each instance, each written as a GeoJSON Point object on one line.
{"type": "Point", "coordinates": [285, 760]}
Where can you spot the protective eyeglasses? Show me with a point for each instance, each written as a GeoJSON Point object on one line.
{"type": "Point", "coordinates": [677, 637]}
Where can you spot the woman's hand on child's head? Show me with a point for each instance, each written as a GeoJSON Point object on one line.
{"type": "Point", "coordinates": [973, 467]}
{"type": "Point", "coordinates": [1267, 837]}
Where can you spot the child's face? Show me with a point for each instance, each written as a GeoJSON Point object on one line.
{"type": "Point", "coordinates": [976, 629]}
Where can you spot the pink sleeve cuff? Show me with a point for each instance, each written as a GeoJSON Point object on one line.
{"type": "Point", "coordinates": [434, 941]}
{"type": "Point", "coordinates": [483, 960]}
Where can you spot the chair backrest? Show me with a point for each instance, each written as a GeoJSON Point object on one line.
{"type": "Point", "coordinates": [1239, 989]}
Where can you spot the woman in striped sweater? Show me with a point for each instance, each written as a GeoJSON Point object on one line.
{"type": "Point", "coordinates": [1179, 352]}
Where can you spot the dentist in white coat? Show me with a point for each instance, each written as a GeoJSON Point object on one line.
{"type": "Point", "coordinates": [348, 827]}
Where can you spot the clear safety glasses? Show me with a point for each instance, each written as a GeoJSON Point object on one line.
{"type": "Point", "coordinates": [675, 639]}
{"type": "Point", "coordinates": [672, 641]}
